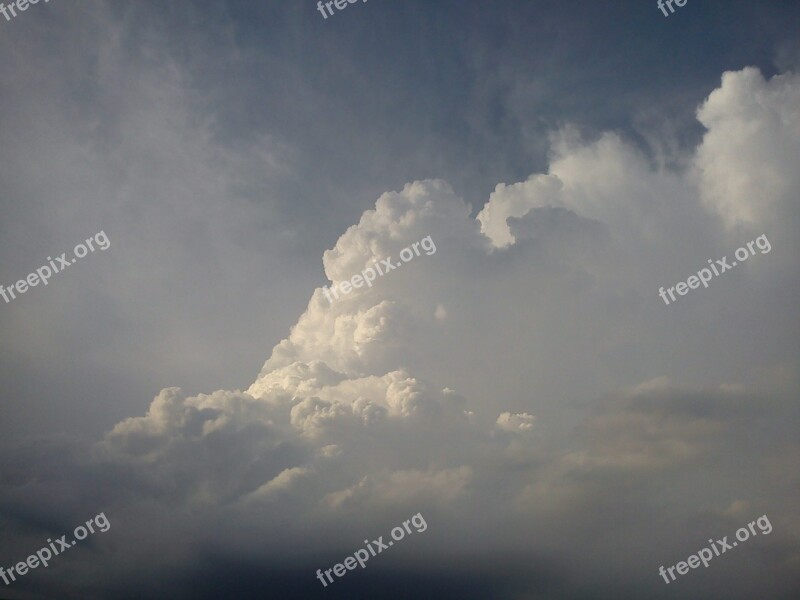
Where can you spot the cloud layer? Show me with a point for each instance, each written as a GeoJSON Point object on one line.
{"type": "Point", "coordinates": [518, 387]}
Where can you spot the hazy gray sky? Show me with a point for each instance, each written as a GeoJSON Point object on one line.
{"type": "Point", "coordinates": [562, 430]}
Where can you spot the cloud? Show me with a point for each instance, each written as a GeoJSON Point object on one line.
{"type": "Point", "coordinates": [745, 161]}
{"type": "Point", "coordinates": [542, 310]}
{"type": "Point", "coordinates": [517, 422]}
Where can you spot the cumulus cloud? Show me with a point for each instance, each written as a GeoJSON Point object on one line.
{"type": "Point", "coordinates": [517, 422]}
{"type": "Point", "coordinates": [542, 315]}
{"type": "Point", "coordinates": [745, 162]}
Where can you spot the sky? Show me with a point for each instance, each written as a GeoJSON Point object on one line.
{"type": "Point", "coordinates": [523, 385]}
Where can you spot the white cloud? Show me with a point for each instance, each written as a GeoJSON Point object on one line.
{"type": "Point", "coordinates": [363, 426]}
{"type": "Point", "coordinates": [747, 162]}
{"type": "Point", "coordinates": [552, 310]}
{"type": "Point", "coordinates": [517, 422]}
